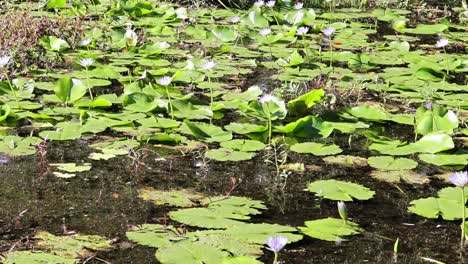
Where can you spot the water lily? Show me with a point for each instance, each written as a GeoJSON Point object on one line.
{"type": "Point", "coordinates": [302, 30]}
{"type": "Point", "coordinates": [442, 43]}
{"type": "Point", "coordinates": [298, 5]}
{"type": "Point", "coordinates": [328, 31]}
{"type": "Point", "coordinates": [342, 211]}
{"type": "Point", "coordinates": [428, 105]}
{"type": "Point", "coordinates": [270, 4]}
{"type": "Point", "coordinates": [4, 60]}
{"type": "Point", "coordinates": [86, 41]}
{"type": "Point", "coordinates": [164, 81]}
{"type": "Point", "coordinates": [235, 19]}
{"type": "Point", "coordinates": [460, 179]}
{"type": "Point", "coordinates": [264, 101]}
{"type": "Point", "coordinates": [209, 65]}
{"type": "Point", "coordinates": [131, 36]}
{"type": "Point", "coordinates": [276, 243]}
{"type": "Point", "coordinates": [265, 32]}
{"type": "Point", "coordinates": [259, 3]}
{"type": "Point", "coordinates": [86, 62]}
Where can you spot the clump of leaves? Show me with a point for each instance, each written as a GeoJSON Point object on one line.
{"type": "Point", "coordinates": [20, 33]}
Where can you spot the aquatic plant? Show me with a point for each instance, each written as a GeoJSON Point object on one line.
{"type": "Point", "coordinates": [460, 179]}
{"type": "Point", "coordinates": [86, 62]}
{"type": "Point", "coordinates": [328, 39]}
{"type": "Point", "coordinates": [166, 81]}
{"type": "Point", "coordinates": [276, 244]}
{"type": "Point", "coordinates": [442, 43]}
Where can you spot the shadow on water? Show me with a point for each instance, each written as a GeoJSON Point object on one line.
{"type": "Point", "coordinates": [104, 201]}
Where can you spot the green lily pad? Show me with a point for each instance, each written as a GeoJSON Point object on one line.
{"type": "Point", "coordinates": [316, 149]}
{"type": "Point", "coordinates": [346, 160]}
{"type": "Point", "coordinates": [330, 229]}
{"type": "Point", "coordinates": [390, 163]}
{"type": "Point", "coordinates": [178, 198]}
{"type": "Point", "coordinates": [340, 190]}
{"type": "Point", "coordinates": [36, 257]}
{"type": "Point", "coordinates": [243, 145]}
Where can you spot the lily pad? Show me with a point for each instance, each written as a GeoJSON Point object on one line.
{"type": "Point", "coordinates": [390, 163]}
{"type": "Point", "coordinates": [340, 190]}
{"type": "Point", "coordinates": [316, 149]}
{"type": "Point", "coordinates": [178, 198]}
{"type": "Point", "coordinates": [330, 229]}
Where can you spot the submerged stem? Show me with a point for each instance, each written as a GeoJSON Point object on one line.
{"type": "Point", "coordinates": [89, 87]}
{"type": "Point", "coordinates": [12, 90]}
{"type": "Point", "coordinates": [275, 260]}
{"type": "Point", "coordinates": [463, 218]}
{"type": "Point", "coordinates": [269, 130]}
{"type": "Point", "coordinates": [170, 102]}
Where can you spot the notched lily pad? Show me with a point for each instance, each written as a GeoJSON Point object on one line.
{"type": "Point", "coordinates": [340, 190]}
{"type": "Point", "coordinates": [178, 198]}
{"type": "Point", "coordinates": [330, 229]}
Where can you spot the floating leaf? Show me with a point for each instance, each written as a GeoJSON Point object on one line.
{"type": "Point", "coordinates": [390, 163]}
{"type": "Point", "coordinates": [346, 160]}
{"type": "Point", "coordinates": [408, 176]}
{"type": "Point", "coordinates": [73, 246]}
{"type": "Point", "coordinates": [179, 198]}
{"type": "Point", "coordinates": [188, 252]}
{"type": "Point", "coordinates": [316, 148]}
{"type": "Point", "coordinates": [36, 257]}
{"type": "Point", "coordinates": [445, 159]}
{"type": "Point", "coordinates": [330, 229]}
{"type": "Point", "coordinates": [243, 145]}
{"type": "Point", "coordinates": [72, 167]}
{"type": "Point", "coordinates": [448, 205]}
{"type": "Point", "coordinates": [340, 190]}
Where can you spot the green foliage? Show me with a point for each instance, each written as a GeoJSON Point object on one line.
{"type": "Point", "coordinates": [447, 205]}
{"type": "Point", "coordinates": [316, 149]}
{"type": "Point", "coordinates": [340, 190]}
{"type": "Point", "coordinates": [330, 229]}
{"type": "Point", "coordinates": [390, 163]}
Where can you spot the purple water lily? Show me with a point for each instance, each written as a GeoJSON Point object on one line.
{"type": "Point", "coordinates": [428, 106]}
{"type": "Point", "coordinates": [277, 243]}
{"type": "Point", "coordinates": [459, 178]}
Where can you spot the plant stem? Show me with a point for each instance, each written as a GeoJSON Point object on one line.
{"type": "Point", "coordinates": [170, 102]}
{"type": "Point", "coordinates": [269, 130]}
{"type": "Point", "coordinates": [211, 93]}
{"type": "Point", "coordinates": [446, 61]}
{"type": "Point", "coordinates": [274, 15]}
{"type": "Point", "coordinates": [305, 49]}
{"type": "Point", "coordinates": [331, 53]}
{"type": "Point", "coordinates": [89, 87]}
{"type": "Point", "coordinates": [463, 218]}
{"type": "Point", "coordinates": [275, 260]}
{"type": "Point", "coordinates": [12, 90]}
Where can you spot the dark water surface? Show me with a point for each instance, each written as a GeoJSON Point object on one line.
{"type": "Point", "coordinates": [104, 201]}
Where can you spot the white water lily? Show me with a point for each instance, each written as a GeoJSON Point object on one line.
{"type": "Point", "coordinates": [259, 3]}
{"type": "Point", "coordinates": [235, 19]}
{"type": "Point", "coordinates": [271, 98]}
{"type": "Point", "coordinates": [131, 37]}
{"type": "Point", "coordinates": [298, 5]}
{"type": "Point", "coordinates": [86, 62]}
{"type": "Point", "coordinates": [442, 43]}
{"type": "Point", "coordinates": [164, 81]}
{"type": "Point", "coordinates": [4, 60]}
{"type": "Point", "coordinates": [209, 65]}
{"type": "Point", "coordinates": [302, 30]}
{"type": "Point", "coordinates": [265, 32]}
{"type": "Point", "coordinates": [86, 42]}
{"type": "Point", "coordinates": [328, 31]}
{"type": "Point", "coordinates": [270, 4]}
